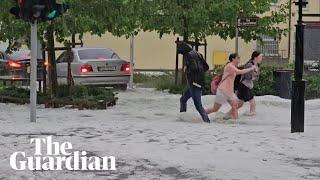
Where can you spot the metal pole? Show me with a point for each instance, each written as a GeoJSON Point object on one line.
{"type": "Point", "coordinates": [289, 33]}
{"type": "Point", "coordinates": [298, 85]}
{"type": "Point", "coordinates": [131, 60]}
{"type": "Point", "coordinates": [237, 36]}
{"type": "Point", "coordinates": [33, 76]}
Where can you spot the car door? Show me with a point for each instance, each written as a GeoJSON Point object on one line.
{"type": "Point", "coordinates": [62, 65]}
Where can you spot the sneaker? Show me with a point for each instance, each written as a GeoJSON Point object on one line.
{"type": "Point", "coordinates": [250, 114]}
{"type": "Point", "coordinates": [183, 107]}
{"type": "Point", "coordinates": [206, 121]}
{"type": "Point", "coordinates": [227, 116]}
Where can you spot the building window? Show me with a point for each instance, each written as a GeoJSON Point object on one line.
{"type": "Point", "coordinates": [269, 46]}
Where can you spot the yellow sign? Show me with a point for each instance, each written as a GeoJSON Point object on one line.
{"type": "Point", "coordinates": [219, 58]}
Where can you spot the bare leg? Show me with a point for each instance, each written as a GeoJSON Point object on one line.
{"type": "Point", "coordinates": [215, 108]}
{"type": "Point", "coordinates": [240, 104]}
{"type": "Point", "coordinates": [234, 109]}
{"type": "Point", "coordinates": [252, 106]}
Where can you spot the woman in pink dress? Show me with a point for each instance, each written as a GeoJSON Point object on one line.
{"type": "Point", "coordinates": [225, 92]}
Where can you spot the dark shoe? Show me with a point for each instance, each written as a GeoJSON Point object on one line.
{"type": "Point", "coordinates": [183, 107]}
{"type": "Point", "coordinates": [207, 120]}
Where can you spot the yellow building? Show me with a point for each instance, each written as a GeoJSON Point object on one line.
{"type": "Point", "coordinates": [151, 52]}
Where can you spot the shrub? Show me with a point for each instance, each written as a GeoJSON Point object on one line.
{"type": "Point", "coordinates": [265, 84]}
{"type": "Point", "coordinates": [84, 96]}
{"type": "Point", "coordinates": [312, 86]}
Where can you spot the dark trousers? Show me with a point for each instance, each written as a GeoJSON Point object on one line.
{"type": "Point", "coordinates": [195, 93]}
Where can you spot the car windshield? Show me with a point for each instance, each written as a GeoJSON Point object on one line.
{"type": "Point", "coordinates": [97, 54]}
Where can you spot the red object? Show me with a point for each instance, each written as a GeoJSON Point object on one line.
{"type": "Point", "coordinates": [20, 1]}
{"type": "Point", "coordinates": [215, 83]}
{"type": "Point", "coordinates": [14, 64]}
{"type": "Point", "coordinates": [125, 67]}
{"type": "Point", "coordinates": [86, 68]}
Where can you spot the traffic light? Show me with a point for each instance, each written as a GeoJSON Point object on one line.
{"type": "Point", "coordinates": [17, 9]}
{"type": "Point", "coordinates": [56, 10]}
{"type": "Point", "coordinates": [39, 10]}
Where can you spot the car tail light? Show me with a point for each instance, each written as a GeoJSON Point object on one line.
{"type": "Point", "coordinates": [14, 64]}
{"type": "Point", "coordinates": [125, 67]}
{"type": "Point", "coordinates": [86, 68]}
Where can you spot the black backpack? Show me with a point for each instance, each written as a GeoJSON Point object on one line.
{"type": "Point", "coordinates": [197, 63]}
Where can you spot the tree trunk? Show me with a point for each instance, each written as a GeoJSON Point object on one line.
{"type": "Point", "coordinates": [185, 39]}
{"type": "Point", "coordinates": [70, 58]}
{"type": "Point", "coordinates": [73, 40]}
{"type": "Point", "coordinates": [53, 83]}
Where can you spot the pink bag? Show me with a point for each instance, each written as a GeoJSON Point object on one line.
{"type": "Point", "coordinates": [215, 83]}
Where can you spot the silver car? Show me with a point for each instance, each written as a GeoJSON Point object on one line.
{"type": "Point", "coordinates": [94, 66]}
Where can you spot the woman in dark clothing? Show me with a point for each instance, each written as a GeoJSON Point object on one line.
{"type": "Point", "coordinates": [245, 91]}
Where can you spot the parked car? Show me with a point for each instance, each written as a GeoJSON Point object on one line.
{"type": "Point", "coordinates": [18, 65]}
{"type": "Point", "coordinates": [315, 66]}
{"type": "Point", "coordinates": [94, 66]}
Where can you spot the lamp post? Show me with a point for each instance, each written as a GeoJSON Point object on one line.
{"type": "Point", "coordinates": [298, 84]}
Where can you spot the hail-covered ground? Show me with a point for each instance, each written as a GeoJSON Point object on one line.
{"type": "Point", "coordinates": [152, 140]}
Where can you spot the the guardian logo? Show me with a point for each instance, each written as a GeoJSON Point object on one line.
{"type": "Point", "coordinates": [59, 157]}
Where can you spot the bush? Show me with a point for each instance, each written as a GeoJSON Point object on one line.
{"type": "Point", "coordinates": [312, 86]}
{"type": "Point", "coordinates": [87, 97]}
{"type": "Point", "coordinates": [265, 84]}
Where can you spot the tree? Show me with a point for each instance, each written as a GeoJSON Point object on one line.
{"type": "Point", "coordinates": [198, 19]}
{"type": "Point", "coordinates": [202, 18]}
{"type": "Point", "coordinates": [11, 29]}
{"type": "Point", "coordinates": [96, 17]}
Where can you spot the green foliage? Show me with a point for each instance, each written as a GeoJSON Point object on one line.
{"type": "Point", "coordinates": [199, 19]}
{"type": "Point", "coordinates": [3, 71]}
{"type": "Point", "coordinates": [21, 93]}
{"type": "Point", "coordinates": [154, 81]}
{"type": "Point", "coordinates": [84, 92]}
{"type": "Point", "coordinates": [187, 18]}
{"type": "Point", "coordinates": [96, 17]}
{"type": "Point", "coordinates": [84, 96]}
{"type": "Point", "coordinates": [265, 84]}
{"type": "Point", "coordinates": [11, 29]}
{"type": "Point", "coordinates": [312, 86]}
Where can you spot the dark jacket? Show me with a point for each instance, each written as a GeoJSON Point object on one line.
{"type": "Point", "coordinates": [196, 66]}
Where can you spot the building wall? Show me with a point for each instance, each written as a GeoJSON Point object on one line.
{"type": "Point", "coordinates": [312, 8]}
{"type": "Point", "coordinates": [151, 52]}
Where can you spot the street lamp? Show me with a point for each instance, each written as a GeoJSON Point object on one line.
{"type": "Point", "coordinates": [298, 85]}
